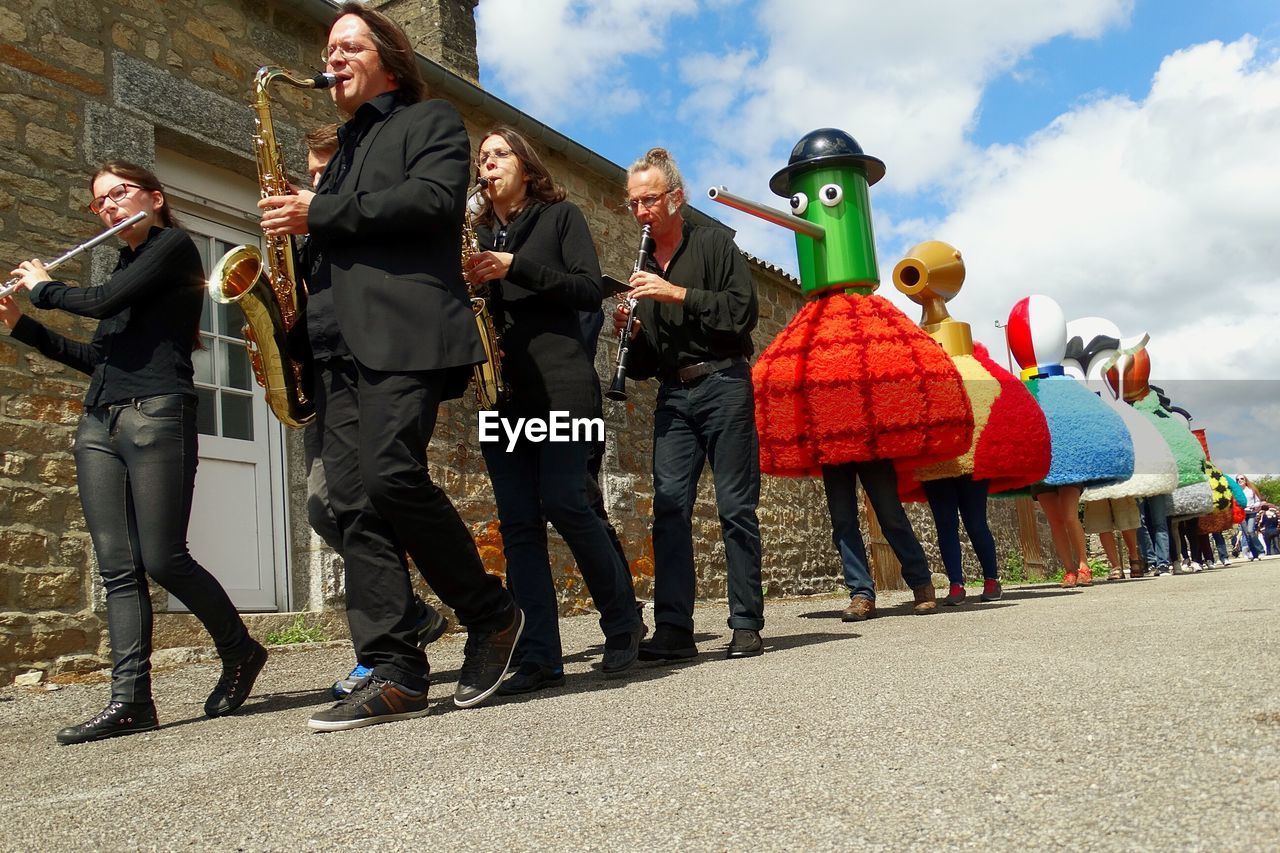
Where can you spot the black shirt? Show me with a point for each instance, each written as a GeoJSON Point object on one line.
{"type": "Point", "coordinates": [149, 311]}
{"type": "Point", "coordinates": [322, 323]}
{"type": "Point", "coordinates": [716, 318]}
{"type": "Point", "coordinates": [554, 274]}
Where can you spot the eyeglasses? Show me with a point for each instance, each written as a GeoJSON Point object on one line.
{"type": "Point", "coordinates": [348, 51]}
{"type": "Point", "coordinates": [493, 154]}
{"type": "Point", "coordinates": [648, 202]}
{"type": "Point", "coordinates": [117, 194]}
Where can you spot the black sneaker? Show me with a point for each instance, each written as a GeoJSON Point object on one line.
{"type": "Point", "coordinates": [622, 650]}
{"type": "Point", "coordinates": [236, 682]}
{"type": "Point", "coordinates": [530, 677]}
{"type": "Point", "coordinates": [375, 700]}
{"type": "Point", "coordinates": [431, 624]}
{"type": "Point", "coordinates": [118, 718]}
{"type": "Point", "coordinates": [746, 643]}
{"type": "Point", "coordinates": [485, 662]}
{"type": "Point", "coordinates": [669, 642]}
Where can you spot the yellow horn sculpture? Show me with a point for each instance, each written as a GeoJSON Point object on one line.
{"type": "Point", "coordinates": [931, 275]}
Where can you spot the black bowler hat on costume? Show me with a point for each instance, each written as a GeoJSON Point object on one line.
{"type": "Point", "coordinates": [822, 148]}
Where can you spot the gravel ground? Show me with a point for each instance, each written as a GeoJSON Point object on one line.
{"type": "Point", "coordinates": [1134, 715]}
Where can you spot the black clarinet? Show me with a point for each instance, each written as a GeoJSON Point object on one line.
{"type": "Point", "coordinates": [618, 389]}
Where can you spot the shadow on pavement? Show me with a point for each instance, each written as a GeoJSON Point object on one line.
{"type": "Point", "coordinates": [971, 604]}
{"type": "Point", "coordinates": [269, 703]}
{"type": "Point", "coordinates": [643, 671]}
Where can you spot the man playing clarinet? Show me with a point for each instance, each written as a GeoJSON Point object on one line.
{"type": "Point", "coordinates": [696, 307]}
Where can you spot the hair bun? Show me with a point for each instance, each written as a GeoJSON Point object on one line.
{"type": "Point", "coordinates": [655, 155]}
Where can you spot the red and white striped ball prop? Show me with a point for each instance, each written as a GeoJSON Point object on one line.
{"type": "Point", "coordinates": [1037, 336]}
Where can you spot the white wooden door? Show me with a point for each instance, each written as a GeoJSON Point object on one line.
{"type": "Point", "coordinates": [237, 517]}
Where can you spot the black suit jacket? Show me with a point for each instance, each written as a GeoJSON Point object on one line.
{"type": "Point", "coordinates": [391, 237]}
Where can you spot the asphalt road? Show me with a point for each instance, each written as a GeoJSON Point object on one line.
{"type": "Point", "coordinates": [1136, 715]}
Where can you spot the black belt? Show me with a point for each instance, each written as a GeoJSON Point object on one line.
{"type": "Point", "coordinates": [691, 373]}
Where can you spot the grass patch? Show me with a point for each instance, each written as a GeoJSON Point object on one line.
{"type": "Point", "coordinates": [297, 632]}
{"type": "Point", "coordinates": [1016, 573]}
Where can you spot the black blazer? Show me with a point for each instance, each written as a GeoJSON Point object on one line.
{"type": "Point", "coordinates": [392, 237]}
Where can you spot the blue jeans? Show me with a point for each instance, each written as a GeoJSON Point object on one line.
{"type": "Point", "coordinates": [880, 482]}
{"type": "Point", "coordinates": [966, 498]}
{"type": "Point", "coordinates": [136, 470]}
{"type": "Point", "coordinates": [1221, 544]}
{"type": "Point", "coordinates": [710, 420]}
{"type": "Point", "coordinates": [1252, 544]}
{"type": "Point", "coordinates": [547, 481]}
{"type": "Point", "coordinates": [1153, 533]}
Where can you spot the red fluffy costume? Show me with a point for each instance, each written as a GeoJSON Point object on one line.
{"type": "Point", "coordinates": [852, 379]}
{"type": "Point", "coordinates": [1010, 435]}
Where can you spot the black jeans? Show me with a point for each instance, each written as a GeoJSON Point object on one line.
{"type": "Point", "coordinates": [375, 429]}
{"type": "Point", "coordinates": [136, 469]}
{"type": "Point", "coordinates": [880, 481]}
{"type": "Point", "coordinates": [547, 481]}
{"type": "Point", "coordinates": [965, 497]}
{"type": "Point", "coordinates": [711, 420]}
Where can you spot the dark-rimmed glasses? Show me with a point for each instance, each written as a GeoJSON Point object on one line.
{"type": "Point", "coordinates": [117, 194]}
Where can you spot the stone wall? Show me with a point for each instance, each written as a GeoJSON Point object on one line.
{"type": "Point", "coordinates": [81, 82]}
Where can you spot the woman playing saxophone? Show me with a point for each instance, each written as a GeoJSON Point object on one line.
{"type": "Point", "coordinates": [538, 255]}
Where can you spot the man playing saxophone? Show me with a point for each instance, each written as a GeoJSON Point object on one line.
{"type": "Point", "coordinates": [393, 336]}
{"type": "Point", "coordinates": [430, 625]}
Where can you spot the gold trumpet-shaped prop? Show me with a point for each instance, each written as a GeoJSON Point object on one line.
{"type": "Point", "coordinates": [931, 275]}
{"type": "Point", "coordinates": [14, 283]}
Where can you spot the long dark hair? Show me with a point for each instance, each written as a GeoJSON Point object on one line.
{"type": "Point", "coordinates": [394, 49]}
{"type": "Point", "coordinates": [541, 186]}
{"type": "Point", "coordinates": [145, 178]}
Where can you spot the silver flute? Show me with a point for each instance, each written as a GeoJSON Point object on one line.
{"type": "Point", "coordinates": [14, 283]}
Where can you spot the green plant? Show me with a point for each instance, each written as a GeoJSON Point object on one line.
{"type": "Point", "coordinates": [1014, 570]}
{"type": "Point", "coordinates": [297, 632]}
{"type": "Point", "coordinates": [1268, 488]}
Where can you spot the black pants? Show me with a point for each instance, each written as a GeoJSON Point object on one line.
{"type": "Point", "coordinates": [136, 469]}
{"type": "Point", "coordinates": [712, 420]}
{"type": "Point", "coordinates": [376, 427]}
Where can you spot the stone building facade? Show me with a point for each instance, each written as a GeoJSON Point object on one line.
{"type": "Point", "coordinates": [166, 85]}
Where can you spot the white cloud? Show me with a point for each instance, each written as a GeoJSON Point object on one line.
{"type": "Point", "coordinates": [563, 57]}
{"type": "Point", "coordinates": [1160, 215]}
{"type": "Point", "coordinates": [905, 77]}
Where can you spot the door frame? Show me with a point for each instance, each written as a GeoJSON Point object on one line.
{"type": "Point", "coordinates": [226, 200]}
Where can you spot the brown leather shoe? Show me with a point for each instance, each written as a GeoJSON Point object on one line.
{"type": "Point", "coordinates": [926, 599]}
{"type": "Point", "coordinates": [859, 610]}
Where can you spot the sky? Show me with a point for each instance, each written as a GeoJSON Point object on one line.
{"type": "Point", "coordinates": [1119, 156]}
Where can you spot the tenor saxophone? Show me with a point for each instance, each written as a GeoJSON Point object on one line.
{"type": "Point", "coordinates": [491, 388]}
{"type": "Point", "coordinates": [263, 281]}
